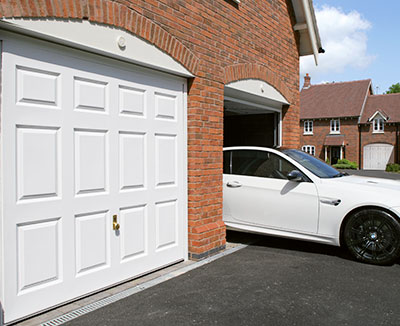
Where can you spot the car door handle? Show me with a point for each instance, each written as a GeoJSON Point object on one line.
{"type": "Point", "coordinates": [233, 184]}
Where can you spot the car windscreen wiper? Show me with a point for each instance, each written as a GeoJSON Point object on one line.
{"type": "Point", "coordinates": [340, 174]}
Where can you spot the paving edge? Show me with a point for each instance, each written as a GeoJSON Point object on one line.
{"type": "Point", "coordinates": [136, 289]}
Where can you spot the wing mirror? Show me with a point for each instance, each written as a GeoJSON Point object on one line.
{"type": "Point", "coordinates": [295, 176]}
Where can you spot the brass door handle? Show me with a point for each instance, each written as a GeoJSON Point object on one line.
{"type": "Point", "coordinates": [115, 223]}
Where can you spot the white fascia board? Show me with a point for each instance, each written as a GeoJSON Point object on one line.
{"type": "Point", "coordinates": [312, 28]}
{"type": "Point", "coordinates": [256, 90]}
{"type": "Point", "coordinates": [101, 39]}
{"type": "Point", "coordinates": [377, 113]}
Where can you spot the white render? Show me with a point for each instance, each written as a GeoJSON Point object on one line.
{"type": "Point", "coordinates": [257, 88]}
{"type": "Point", "coordinates": [84, 138]}
{"type": "Point", "coordinates": [376, 156]}
{"type": "Point", "coordinates": [302, 210]}
{"type": "Point", "coordinates": [97, 38]}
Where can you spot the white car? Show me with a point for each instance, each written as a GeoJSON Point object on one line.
{"type": "Point", "coordinates": [292, 194]}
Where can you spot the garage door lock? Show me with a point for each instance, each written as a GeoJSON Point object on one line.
{"type": "Point", "coordinates": [115, 223]}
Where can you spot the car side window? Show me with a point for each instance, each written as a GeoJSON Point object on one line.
{"type": "Point", "coordinates": [260, 164]}
{"type": "Point", "coordinates": [227, 162]}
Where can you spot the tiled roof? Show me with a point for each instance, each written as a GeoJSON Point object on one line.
{"type": "Point", "coordinates": [387, 104]}
{"type": "Point", "coordinates": [333, 100]}
{"type": "Point", "coordinates": [334, 140]}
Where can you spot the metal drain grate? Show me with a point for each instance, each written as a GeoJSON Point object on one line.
{"type": "Point", "coordinates": [126, 293]}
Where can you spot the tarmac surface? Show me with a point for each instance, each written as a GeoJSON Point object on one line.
{"type": "Point", "coordinates": [271, 282]}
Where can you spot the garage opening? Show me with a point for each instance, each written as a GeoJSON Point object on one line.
{"type": "Point", "coordinates": [252, 114]}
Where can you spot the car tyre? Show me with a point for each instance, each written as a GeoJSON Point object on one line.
{"type": "Point", "coordinates": [373, 236]}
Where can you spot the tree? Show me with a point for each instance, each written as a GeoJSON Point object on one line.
{"type": "Point", "coordinates": [395, 88]}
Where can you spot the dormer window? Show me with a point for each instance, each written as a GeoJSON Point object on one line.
{"type": "Point", "coordinates": [378, 125]}
{"type": "Point", "coordinates": [308, 127]}
{"type": "Point", "coordinates": [335, 126]}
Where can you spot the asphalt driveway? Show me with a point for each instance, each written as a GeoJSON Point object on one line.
{"type": "Point", "coordinates": [271, 282]}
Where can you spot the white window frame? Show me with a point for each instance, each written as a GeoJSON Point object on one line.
{"type": "Point", "coordinates": [378, 126]}
{"type": "Point", "coordinates": [335, 126]}
{"type": "Point", "coordinates": [310, 149]}
{"type": "Point", "coordinates": [308, 127]}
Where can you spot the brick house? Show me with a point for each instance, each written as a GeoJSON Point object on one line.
{"type": "Point", "coordinates": [112, 125]}
{"type": "Point", "coordinates": [345, 120]}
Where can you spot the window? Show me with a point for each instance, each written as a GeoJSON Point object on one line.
{"type": "Point", "coordinates": [309, 149]}
{"type": "Point", "coordinates": [378, 125]}
{"type": "Point", "coordinates": [308, 127]}
{"type": "Point", "coordinates": [335, 126]}
{"type": "Point", "coordinates": [227, 162]}
{"type": "Point", "coordinates": [259, 164]}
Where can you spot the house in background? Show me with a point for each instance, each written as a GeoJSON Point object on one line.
{"type": "Point", "coordinates": [345, 120]}
{"type": "Point", "coordinates": [379, 131]}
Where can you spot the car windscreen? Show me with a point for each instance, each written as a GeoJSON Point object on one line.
{"type": "Point", "coordinates": [316, 166]}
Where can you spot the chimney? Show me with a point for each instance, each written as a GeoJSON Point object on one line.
{"type": "Point", "coordinates": [307, 81]}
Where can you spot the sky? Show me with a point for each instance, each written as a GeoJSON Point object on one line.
{"type": "Point", "coordinates": [362, 41]}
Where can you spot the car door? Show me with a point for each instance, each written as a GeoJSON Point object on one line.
{"type": "Point", "coordinates": [258, 192]}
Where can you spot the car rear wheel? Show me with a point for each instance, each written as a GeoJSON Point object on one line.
{"type": "Point", "coordinates": [373, 236]}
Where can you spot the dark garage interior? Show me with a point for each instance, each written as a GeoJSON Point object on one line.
{"type": "Point", "coordinates": [249, 126]}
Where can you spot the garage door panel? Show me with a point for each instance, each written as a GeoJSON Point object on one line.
{"type": "Point", "coordinates": [91, 161]}
{"type": "Point", "coordinates": [166, 106]}
{"type": "Point", "coordinates": [37, 87]}
{"type": "Point", "coordinates": [166, 224]}
{"type": "Point", "coordinates": [132, 101]}
{"type": "Point", "coordinates": [38, 162]}
{"type": "Point", "coordinates": [39, 254]}
{"type": "Point", "coordinates": [92, 243]}
{"type": "Point", "coordinates": [166, 160]}
{"type": "Point", "coordinates": [134, 230]}
{"type": "Point", "coordinates": [83, 142]}
{"type": "Point", "coordinates": [133, 160]}
{"type": "Point", "coordinates": [91, 95]}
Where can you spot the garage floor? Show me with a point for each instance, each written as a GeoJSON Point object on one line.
{"type": "Point", "coordinates": [271, 282]}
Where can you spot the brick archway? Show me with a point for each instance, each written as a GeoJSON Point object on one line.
{"type": "Point", "coordinates": [256, 71]}
{"type": "Point", "coordinates": [104, 12]}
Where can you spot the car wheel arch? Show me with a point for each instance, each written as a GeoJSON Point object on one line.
{"type": "Point", "coordinates": [358, 209]}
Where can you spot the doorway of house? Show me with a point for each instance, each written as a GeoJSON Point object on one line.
{"type": "Point", "coordinates": [335, 154]}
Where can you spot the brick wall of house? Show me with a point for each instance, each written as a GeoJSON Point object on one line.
{"type": "Point", "coordinates": [218, 42]}
{"type": "Point", "coordinates": [321, 129]}
{"type": "Point", "coordinates": [388, 137]}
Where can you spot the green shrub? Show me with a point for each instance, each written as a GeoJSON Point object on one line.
{"type": "Point", "coordinates": [345, 164]}
{"type": "Point", "coordinates": [328, 161]}
{"type": "Point", "coordinates": [393, 167]}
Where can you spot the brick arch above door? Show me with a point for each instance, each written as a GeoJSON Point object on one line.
{"type": "Point", "coordinates": [256, 71]}
{"type": "Point", "coordinates": [104, 12]}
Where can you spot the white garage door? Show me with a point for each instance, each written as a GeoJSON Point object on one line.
{"type": "Point", "coordinates": [376, 156]}
{"type": "Point", "coordinates": [86, 140]}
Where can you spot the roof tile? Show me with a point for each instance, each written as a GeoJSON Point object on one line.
{"type": "Point", "coordinates": [387, 104]}
{"type": "Point", "coordinates": [333, 100]}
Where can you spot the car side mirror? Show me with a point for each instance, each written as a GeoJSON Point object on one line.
{"type": "Point", "coordinates": [295, 176]}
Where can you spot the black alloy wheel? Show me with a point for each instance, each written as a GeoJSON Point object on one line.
{"type": "Point", "coordinates": [373, 236]}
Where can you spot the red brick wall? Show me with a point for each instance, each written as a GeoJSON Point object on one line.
{"type": "Point", "coordinates": [219, 42]}
{"type": "Point", "coordinates": [388, 137]}
{"type": "Point", "coordinates": [348, 128]}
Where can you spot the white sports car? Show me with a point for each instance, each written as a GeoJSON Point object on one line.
{"type": "Point", "coordinates": [292, 194]}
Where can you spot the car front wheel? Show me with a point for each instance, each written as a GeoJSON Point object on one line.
{"type": "Point", "coordinates": [373, 236]}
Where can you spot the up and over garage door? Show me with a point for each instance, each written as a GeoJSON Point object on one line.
{"type": "Point", "coordinates": [93, 173]}
{"type": "Point", "coordinates": [376, 156]}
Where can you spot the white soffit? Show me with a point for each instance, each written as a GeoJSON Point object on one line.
{"type": "Point", "coordinates": [306, 24]}
{"type": "Point", "coordinates": [257, 91]}
{"type": "Point", "coordinates": [97, 38]}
